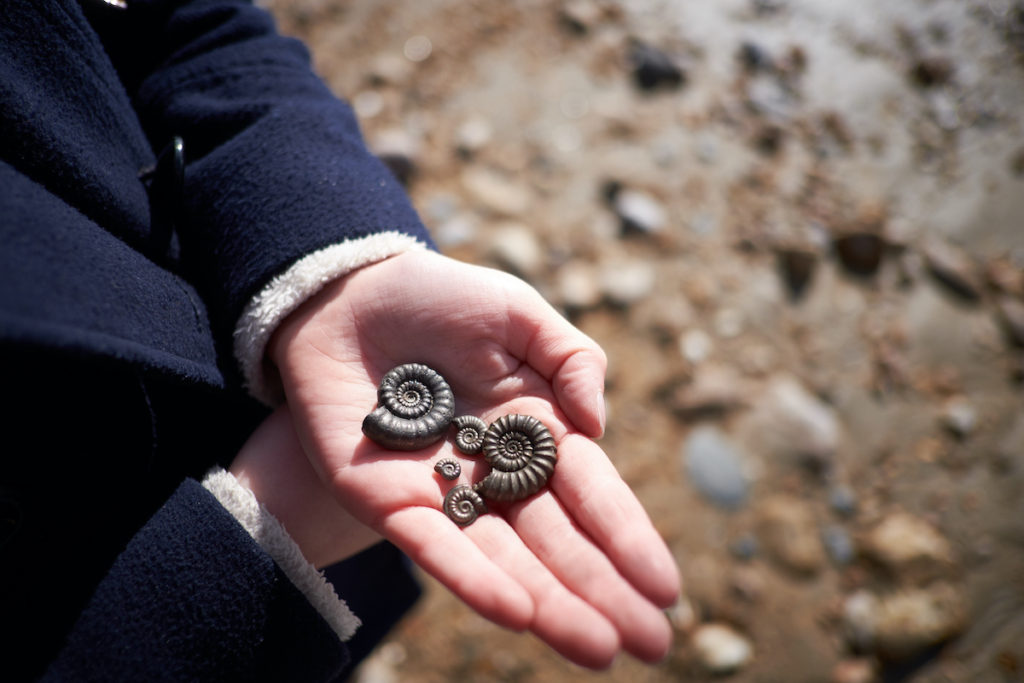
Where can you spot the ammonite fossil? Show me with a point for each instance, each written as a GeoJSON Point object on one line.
{"type": "Point", "coordinates": [463, 505]}
{"type": "Point", "coordinates": [449, 468]}
{"type": "Point", "coordinates": [415, 408]}
{"type": "Point", "coordinates": [522, 453]}
{"type": "Point", "coordinates": [469, 437]}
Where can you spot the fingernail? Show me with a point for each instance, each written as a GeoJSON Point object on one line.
{"type": "Point", "coordinates": [601, 412]}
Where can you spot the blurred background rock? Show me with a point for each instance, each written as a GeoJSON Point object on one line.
{"type": "Point", "coordinates": [797, 227]}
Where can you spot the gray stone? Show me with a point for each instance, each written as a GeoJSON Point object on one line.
{"type": "Point", "coordinates": [715, 467]}
{"type": "Point", "coordinates": [843, 500]}
{"type": "Point", "coordinates": [838, 544]}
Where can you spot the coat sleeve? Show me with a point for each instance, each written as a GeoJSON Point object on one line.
{"type": "Point", "coordinates": [194, 597]}
{"type": "Point", "coordinates": [276, 168]}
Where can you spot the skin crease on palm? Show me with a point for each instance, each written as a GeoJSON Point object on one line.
{"type": "Point", "coordinates": [579, 563]}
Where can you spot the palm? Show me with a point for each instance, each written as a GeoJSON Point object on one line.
{"type": "Point", "coordinates": [557, 563]}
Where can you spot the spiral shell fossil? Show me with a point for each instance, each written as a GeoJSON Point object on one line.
{"type": "Point", "coordinates": [522, 453]}
{"type": "Point", "coordinates": [449, 468]}
{"type": "Point", "coordinates": [469, 437]}
{"type": "Point", "coordinates": [415, 407]}
{"type": "Point", "coordinates": [463, 505]}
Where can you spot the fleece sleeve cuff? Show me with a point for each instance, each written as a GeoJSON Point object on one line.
{"type": "Point", "coordinates": [270, 534]}
{"type": "Point", "coordinates": [290, 289]}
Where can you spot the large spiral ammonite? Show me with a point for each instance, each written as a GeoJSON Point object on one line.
{"type": "Point", "coordinates": [522, 454]}
{"type": "Point", "coordinates": [415, 408]}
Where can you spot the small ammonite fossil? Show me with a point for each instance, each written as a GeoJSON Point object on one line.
{"type": "Point", "coordinates": [522, 454]}
{"type": "Point", "coordinates": [449, 468]}
{"type": "Point", "coordinates": [463, 505]}
{"type": "Point", "coordinates": [415, 407]}
{"type": "Point", "coordinates": [469, 435]}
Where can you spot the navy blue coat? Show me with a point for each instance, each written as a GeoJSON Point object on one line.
{"type": "Point", "coordinates": [116, 314]}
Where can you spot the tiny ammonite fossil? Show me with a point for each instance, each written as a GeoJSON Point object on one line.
{"type": "Point", "coordinates": [449, 468]}
{"type": "Point", "coordinates": [469, 437]}
{"type": "Point", "coordinates": [522, 455]}
{"type": "Point", "coordinates": [463, 505]}
{"type": "Point", "coordinates": [415, 407]}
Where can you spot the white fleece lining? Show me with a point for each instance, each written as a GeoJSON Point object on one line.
{"type": "Point", "coordinates": [275, 541]}
{"type": "Point", "coordinates": [290, 289]}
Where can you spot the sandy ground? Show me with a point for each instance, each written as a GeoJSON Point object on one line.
{"type": "Point", "coordinates": [801, 242]}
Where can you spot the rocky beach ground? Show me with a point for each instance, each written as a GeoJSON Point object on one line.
{"type": "Point", "coordinates": [797, 228]}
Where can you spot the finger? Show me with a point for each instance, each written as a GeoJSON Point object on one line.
{"type": "Point", "coordinates": [446, 553]}
{"type": "Point", "coordinates": [583, 568]}
{"type": "Point", "coordinates": [573, 628]}
{"type": "Point", "coordinates": [571, 361]}
{"type": "Point", "coordinates": [602, 504]}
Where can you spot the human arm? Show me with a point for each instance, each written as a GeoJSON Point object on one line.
{"type": "Point", "coordinates": [579, 563]}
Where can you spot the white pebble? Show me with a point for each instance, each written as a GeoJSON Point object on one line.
{"type": "Point", "coordinates": [721, 649]}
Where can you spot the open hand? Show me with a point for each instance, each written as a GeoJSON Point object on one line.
{"type": "Point", "coordinates": [579, 563]}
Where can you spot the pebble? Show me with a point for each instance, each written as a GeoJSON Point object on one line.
{"type": "Point", "coordinates": [907, 622]}
{"type": "Point", "coordinates": [744, 548]}
{"type": "Point", "coordinates": [797, 424]}
{"type": "Point", "coordinates": [695, 345]}
{"type": "Point", "coordinates": [495, 193]}
{"type": "Point", "coordinates": [682, 615]}
{"type": "Point", "coordinates": [473, 134]}
{"type": "Point", "coordinates": [625, 283]}
{"type": "Point", "coordinates": [517, 248]}
{"type": "Point", "coordinates": [455, 231]}
{"type": "Point", "coordinates": [953, 268]}
{"type": "Point", "coordinates": [859, 615]}
{"type": "Point", "coordinates": [959, 416]}
{"type": "Point", "coordinates": [789, 531]}
{"type": "Point", "coordinates": [909, 548]}
{"type": "Point", "coordinates": [838, 544]}
{"type": "Point", "coordinates": [654, 69]}
{"type": "Point", "coordinates": [797, 266]}
{"type": "Point", "coordinates": [398, 150]}
{"type": "Point", "coordinates": [639, 212]}
{"type": "Point", "coordinates": [843, 500]}
{"type": "Point", "coordinates": [721, 649]}
{"type": "Point", "coordinates": [715, 467]}
{"type": "Point", "coordinates": [753, 57]}
{"type": "Point", "coordinates": [577, 285]}
{"type": "Point", "coordinates": [860, 252]}
{"type": "Point", "coordinates": [715, 389]}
